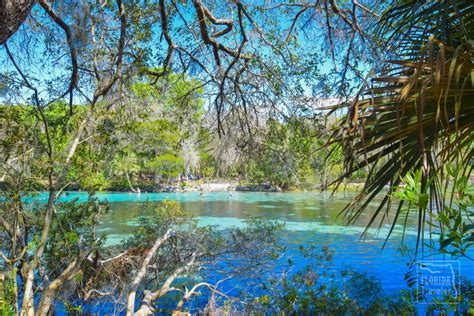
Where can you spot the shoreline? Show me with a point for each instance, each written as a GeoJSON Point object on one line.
{"type": "Point", "coordinates": [218, 186]}
{"type": "Point", "coordinates": [229, 186]}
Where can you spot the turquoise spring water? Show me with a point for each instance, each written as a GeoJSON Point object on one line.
{"type": "Point", "coordinates": [309, 218]}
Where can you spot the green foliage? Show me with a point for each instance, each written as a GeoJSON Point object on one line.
{"type": "Point", "coordinates": [73, 231]}
{"type": "Point", "coordinates": [167, 165]}
{"type": "Point", "coordinates": [125, 163]}
{"type": "Point", "coordinates": [452, 220]}
{"type": "Point", "coordinates": [208, 165]}
{"type": "Point", "coordinates": [413, 191]}
{"type": "Point", "coordinates": [94, 182]}
{"type": "Point", "coordinates": [7, 292]}
{"type": "Point", "coordinates": [163, 216]}
{"type": "Point", "coordinates": [292, 153]}
{"type": "Point", "coordinates": [122, 141]}
{"type": "Point", "coordinates": [455, 221]}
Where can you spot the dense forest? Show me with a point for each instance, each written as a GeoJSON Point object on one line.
{"type": "Point", "coordinates": [161, 132]}
{"type": "Point", "coordinates": [370, 98]}
{"type": "Point", "coordinates": [154, 147]}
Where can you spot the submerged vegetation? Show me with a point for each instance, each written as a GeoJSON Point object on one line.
{"type": "Point", "coordinates": [142, 96]}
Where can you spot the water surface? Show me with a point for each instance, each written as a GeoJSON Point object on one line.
{"type": "Point", "coordinates": [310, 219]}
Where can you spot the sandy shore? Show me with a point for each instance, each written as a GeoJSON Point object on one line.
{"type": "Point", "coordinates": [217, 186]}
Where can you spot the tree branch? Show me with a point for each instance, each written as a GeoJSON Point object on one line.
{"type": "Point", "coordinates": [141, 273]}
{"type": "Point", "coordinates": [150, 297]}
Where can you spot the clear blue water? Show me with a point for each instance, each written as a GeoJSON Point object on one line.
{"type": "Point", "coordinates": [310, 219]}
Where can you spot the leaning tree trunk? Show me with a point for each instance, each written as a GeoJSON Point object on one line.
{"type": "Point", "coordinates": [3, 297]}
{"type": "Point", "coordinates": [130, 182]}
{"type": "Point", "coordinates": [12, 14]}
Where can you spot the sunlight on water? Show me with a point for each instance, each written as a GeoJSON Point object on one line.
{"type": "Point", "coordinates": [311, 219]}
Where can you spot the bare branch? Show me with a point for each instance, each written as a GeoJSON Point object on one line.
{"type": "Point", "coordinates": [150, 297]}
{"type": "Point", "coordinates": [48, 293]}
{"type": "Point", "coordinates": [72, 49]}
{"type": "Point", "coordinates": [141, 273]}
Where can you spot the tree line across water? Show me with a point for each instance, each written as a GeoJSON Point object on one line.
{"type": "Point", "coordinates": [162, 133]}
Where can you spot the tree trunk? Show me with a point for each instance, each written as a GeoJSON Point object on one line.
{"type": "Point", "coordinates": [3, 299]}
{"type": "Point", "coordinates": [27, 305]}
{"type": "Point", "coordinates": [129, 182]}
{"type": "Point", "coordinates": [325, 176]}
{"type": "Point", "coordinates": [47, 295]}
{"type": "Point", "coordinates": [141, 273]}
{"type": "Point", "coordinates": [12, 15]}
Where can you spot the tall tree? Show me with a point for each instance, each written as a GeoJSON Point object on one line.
{"type": "Point", "coordinates": [12, 15]}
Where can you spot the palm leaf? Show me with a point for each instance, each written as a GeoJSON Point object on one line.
{"type": "Point", "coordinates": [419, 114]}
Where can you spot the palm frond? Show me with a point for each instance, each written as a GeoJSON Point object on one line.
{"type": "Point", "coordinates": [419, 114]}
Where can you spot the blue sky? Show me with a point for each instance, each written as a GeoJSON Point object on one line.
{"type": "Point", "coordinates": [53, 71]}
